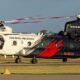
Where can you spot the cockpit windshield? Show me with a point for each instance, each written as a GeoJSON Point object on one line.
{"type": "Point", "coordinates": [73, 27]}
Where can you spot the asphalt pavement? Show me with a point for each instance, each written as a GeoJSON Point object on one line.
{"type": "Point", "coordinates": [41, 77]}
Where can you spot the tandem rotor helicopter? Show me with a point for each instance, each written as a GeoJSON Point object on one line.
{"type": "Point", "coordinates": [63, 45]}
{"type": "Point", "coordinates": [17, 43]}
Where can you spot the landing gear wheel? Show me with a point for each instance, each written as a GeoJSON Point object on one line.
{"type": "Point", "coordinates": [64, 59]}
{"type": "Point", "coordinates": [34, 60]}
{"type": "Point", "coordinates": [18, 60]}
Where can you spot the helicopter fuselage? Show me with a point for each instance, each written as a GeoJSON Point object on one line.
{"type": "Point", "coordinates": [18, 43]}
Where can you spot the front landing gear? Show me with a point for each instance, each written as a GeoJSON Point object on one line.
{"type": "Point", "coordinates": [34, 60]}
{"type": "Point", "coordinates": [18, 60]}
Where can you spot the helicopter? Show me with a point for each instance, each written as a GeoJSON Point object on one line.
{"type": "Point", "coordinates": [17, 43]}
{"type": "Point", "coordinates": [64, 44]}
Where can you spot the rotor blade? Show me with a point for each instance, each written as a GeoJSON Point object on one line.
{"type": "Point", "coordinates": [35, 19]}
{"type": "Point", "coordinates": [66, 17]}
{"type": "Point", "coordinates": [30, 18]}
{"type": "Point", "coordinates": [12, 21]}
{"type": "Point", "coordinates": [21, 22]}
{"type": "Point", "coordinates": [18, 20]}
{"type": "Point", "coordinates": [42, 18]}
{"type": "Point", "coordinates": [26, 18]}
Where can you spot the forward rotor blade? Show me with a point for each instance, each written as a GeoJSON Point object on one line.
{"type": "Point", "coordinates": [18, 20]}
{"type": "Point", "coordinates": [21, 22]}
{"type": "Point", "coordinates": [12, 21]}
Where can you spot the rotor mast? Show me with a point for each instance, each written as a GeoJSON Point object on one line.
{"type": "Point", "coordinates": [4, 28]}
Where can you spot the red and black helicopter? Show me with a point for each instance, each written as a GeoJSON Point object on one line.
{"type": "Point", "coordinates": [62, 45]}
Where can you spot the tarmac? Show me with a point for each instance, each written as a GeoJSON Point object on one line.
{"type": "Point", "coordinates": [41, 77]}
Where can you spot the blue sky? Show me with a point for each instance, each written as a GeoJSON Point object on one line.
{"type": "Point", "coordinates": [12, 9]}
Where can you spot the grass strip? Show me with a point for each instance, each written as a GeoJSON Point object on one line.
{"type": "Point", "coordinates": [54, 69]}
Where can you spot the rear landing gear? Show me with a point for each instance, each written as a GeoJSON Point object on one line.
{"type": "Point", "coordinates": [34, 60]}
{"type": "Point", "coordinates": [64, 59]}
{"type": "Point", "coordinates": [18, 60]}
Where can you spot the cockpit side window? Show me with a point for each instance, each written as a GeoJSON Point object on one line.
{"type": "Point", "coordinates": [1, 42]}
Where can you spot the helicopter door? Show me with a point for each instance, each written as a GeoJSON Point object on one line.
{"type": "Point", "coordinates": [1, 42]}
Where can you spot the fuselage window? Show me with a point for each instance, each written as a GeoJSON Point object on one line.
{"type": "Point", "coordinates": [14, 43]}
{"type": "Point", "coordinates": [29, 43]}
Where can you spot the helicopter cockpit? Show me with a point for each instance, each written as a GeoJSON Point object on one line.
{"type": "Point", "coordinates": [72, 28]}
